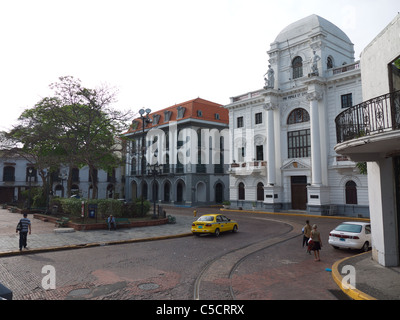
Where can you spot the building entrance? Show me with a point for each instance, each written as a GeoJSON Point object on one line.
{"type": "Point", "coordinates": [299, 192]}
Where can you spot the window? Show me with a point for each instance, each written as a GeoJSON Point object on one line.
{"type": "Point", "coordinates": [297, 66]}
{"type": "Point", "coordinates": [9, 173]}
{"type": "Point", "coordinates": [260, 152]}
{"type": "Point", "coordinates": [181, 112]}
{"type": "Point", "coordinates": [299, 144]}
{"type": "Point", "coordinates": [347, 100]}
{"type": "Point", "coordinates": [32, 174]}
{"type": "Point", "coordinates": [217, 116]}
{"type": "Point", "coordinates": [258, 118]}
{"type": "Point", "coordinates": [199, 113]}
{"type": "Point", "coordinates": [239, 122]}
{"type": "Point", "coordinates": [329, 63]}
{"type": "Point", "coordinates": [298, 115]}
{"type": "Point", "coordinates": [241, 154]}
{"type": "Point", "coordinates": [241, 191]}
{"type": "Point", "coordinates": [351, 192]}
{"type": "Point", "coordinates": [167, 116]}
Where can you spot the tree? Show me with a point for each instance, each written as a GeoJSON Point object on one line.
{"type": "Point", "coordinates": [76, 127]}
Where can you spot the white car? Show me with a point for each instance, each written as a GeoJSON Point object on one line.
{"type": "Point", "coordinates": [351, 235]}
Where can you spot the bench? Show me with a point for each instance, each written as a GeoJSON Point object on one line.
{"type": "Point", "coordinates": [119, 221]}
{"type": "Point", "coordinates": [62, 222]}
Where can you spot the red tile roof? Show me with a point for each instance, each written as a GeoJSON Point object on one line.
{"type": "Point", "coordinates": [208, 111]}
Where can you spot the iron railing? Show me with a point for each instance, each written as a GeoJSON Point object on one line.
{"type": "Point", "coordinates": [377, 115]}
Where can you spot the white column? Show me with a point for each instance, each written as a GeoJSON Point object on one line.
{"type": "Point", "coordinates": [316, 179]}
{"type": "Point", "coordinates": [271, 176]}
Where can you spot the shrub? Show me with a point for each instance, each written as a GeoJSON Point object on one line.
{"type": "Point", "coordinates": [105, 207]}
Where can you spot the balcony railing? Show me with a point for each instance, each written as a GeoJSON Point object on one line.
{"type": "Point", "coordinates": [377, 115]}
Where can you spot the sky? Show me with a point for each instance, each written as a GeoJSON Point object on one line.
{"type": "Point", "coordinates": [157, 53]}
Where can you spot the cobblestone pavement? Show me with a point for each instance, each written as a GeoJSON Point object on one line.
{"type": "Point", "coordinates": [44, 235]}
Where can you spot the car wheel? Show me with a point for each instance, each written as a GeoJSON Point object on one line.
{"type": "Point", "coordinates": [235, 228]}
{"type": "Point", "coordinates": [365, 247]}
{"type": "Point", "coordinates": [216, 232]}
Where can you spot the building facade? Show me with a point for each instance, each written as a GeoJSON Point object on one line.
{"type": "Point", "coordinates": [186, 143]}
{"type": "Point", "coordinates": [17, 174]}
{"type": "Point", "coordinates": [369, 132]}
{"type": "Point", "coordinates": [283, 136]}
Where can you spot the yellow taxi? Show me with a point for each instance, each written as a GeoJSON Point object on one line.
{"type": "Point", "coordinates": [213, 224]}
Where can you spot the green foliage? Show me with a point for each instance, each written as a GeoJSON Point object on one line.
{"type": "Point", "coordinates": [38, 196]}
{"type": "Point", "coordinates": [362, 167]}
{"type": "Point", "coordinates": [105, 207]}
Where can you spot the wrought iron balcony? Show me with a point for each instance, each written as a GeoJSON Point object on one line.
{"type": "Point", "coordinates": [377, 115]}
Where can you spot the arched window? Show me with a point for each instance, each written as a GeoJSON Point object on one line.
{"type": "Point", "coordinates": [329, 62]}
{"type": "Point", "coordinates": [297, 66]}
{"type": "Point", "coordinates": [260, 191]}
{"type": "Point", "coordinates": [298, 115]}
{"type": "Point", "coordinates": [351, 192]}
{"type": "Point", "coordinates": [241, 191]}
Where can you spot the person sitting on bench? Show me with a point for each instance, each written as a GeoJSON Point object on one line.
{"type": "Point", "coordinates": [111, 220]}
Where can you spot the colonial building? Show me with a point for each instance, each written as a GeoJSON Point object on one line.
{"type": "Point", "coordinates": [17, 174]}
{"type": "Point", "coordinates": [185, 142]}
{"type": "Point", "coordinates": [283, 136]}
{"type": "Point", "coordinates": [369, 131]}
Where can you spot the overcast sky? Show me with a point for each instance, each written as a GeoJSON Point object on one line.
{"type": "Point", "coordinates": [157, 52]}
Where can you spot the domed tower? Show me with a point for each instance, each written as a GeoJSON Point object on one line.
{"type": "Point", "coordinates": [310, 46]}
{"type": "Point", "coordinates": [290, 164]}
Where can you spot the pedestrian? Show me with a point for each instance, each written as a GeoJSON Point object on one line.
{"type": "Point", "coordinates": [111, 220]}
{"type": "Point", "coordinates": [306, 234]}
{"type": "Point", "coordinates": [24, 225]}
{"type": "Point", "coordinates": [316, 243]}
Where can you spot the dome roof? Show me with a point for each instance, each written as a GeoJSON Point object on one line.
{"type": "Point", "coordinates": [306, 25]}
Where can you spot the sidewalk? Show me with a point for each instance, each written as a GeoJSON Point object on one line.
{"type": "Point", "coordinates": [373, 281]}
{"type": "Point", "coordinates": [46, 237]}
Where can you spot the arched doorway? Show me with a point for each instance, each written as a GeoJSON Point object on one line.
{"type": "Point", "coordinates": [167, 191]}
{"type": "Point", "coordinates": [144, 190]}
{"type": "Point", "coordinates": [219, 193]}
{"type": "Point", "coordinates": [241, 195]}
{"type": "Point", "coordinates": [134, 190]}
{"type": "Point", "coordinates": [201, 192]}
{"type": "Point", "coordinates": [260, 191]}
{"type": "Point", "coordinates": [351, 192]}
{"type": "Point", "coordinates": [180, 189]}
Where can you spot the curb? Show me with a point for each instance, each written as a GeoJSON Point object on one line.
{"type": "Point", "coordinates": [90, 245]}
{"type": "Point", "coordinates": [297, 214]}
{"type": "Point", "coordinates": [352, 292]}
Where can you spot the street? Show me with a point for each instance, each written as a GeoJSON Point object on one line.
{"type": "Point", "coordinates": [264, 260]}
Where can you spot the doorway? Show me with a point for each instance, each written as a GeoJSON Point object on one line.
{"type": "Point", "coordinates": [219, 193]}
{"type": "Point", "coordinates": [299, 192]}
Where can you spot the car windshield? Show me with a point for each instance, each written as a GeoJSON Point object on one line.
{"type": "Point", "coordinates": [206, 218]}
{"type": "Point", "coordinates": [346, 227]}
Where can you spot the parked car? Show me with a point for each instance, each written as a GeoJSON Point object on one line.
{"type": "Point", "coordinates": [213, 224]}
{"type": "Point", "coordinates": [351, 235]}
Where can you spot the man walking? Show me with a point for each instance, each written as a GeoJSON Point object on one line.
{"type": "Point", "coordinates": [24, 227]}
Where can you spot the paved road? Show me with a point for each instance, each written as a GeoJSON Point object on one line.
{"type": "Point", "coordinates": [263, 261]}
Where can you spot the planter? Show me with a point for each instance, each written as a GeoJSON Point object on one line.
{"type": "Point", "coordinates": [101, 226]}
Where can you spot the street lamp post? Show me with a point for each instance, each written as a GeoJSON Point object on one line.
{"type": "Point", "coordinates": [154, 170]}
{"type": "Point", "coordinates": [62, 177]}
{"type": "Point", "coordinates": [30, 170]}
{"type": "Point", "coordinates": [144, 115]}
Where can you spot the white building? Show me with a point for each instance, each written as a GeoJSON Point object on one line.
{"type": "Point", "coordinates": [17, 174]}
{"type": "Point", "coordinates": [283, 136]}
{"type": "Point", "coordinates": [370, 132]}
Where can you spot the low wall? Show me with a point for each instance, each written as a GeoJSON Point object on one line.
{"type": "Point", "coordinates": [101, 226]}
